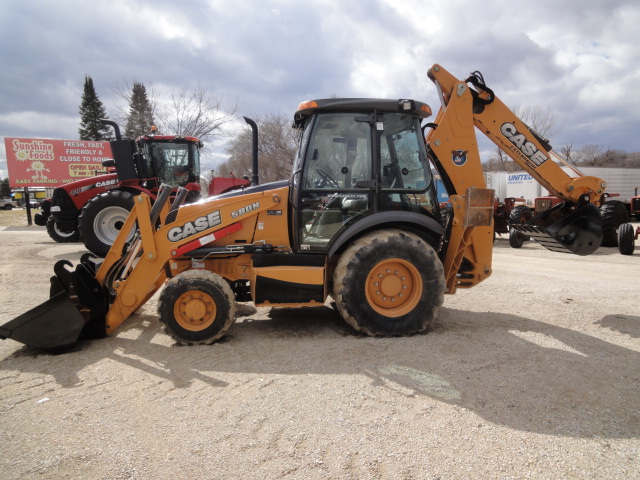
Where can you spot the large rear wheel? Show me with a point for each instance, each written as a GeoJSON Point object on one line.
{"type": "Point", "coordinates": [520, 215]}
{"type": "Point", "coordinates": [197, 307]}
{"type": "Point", "coordinates": [389, 282]}
{"type": "Point", "coordinates": [614, 214]}
{"type": "Point", "coordinates": [102, 218]}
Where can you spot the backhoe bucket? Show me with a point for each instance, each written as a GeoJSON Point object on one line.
{"type": "Point", "coordinates": [565, 228]}
{"type": "Point", "coordinates": [76, 309]}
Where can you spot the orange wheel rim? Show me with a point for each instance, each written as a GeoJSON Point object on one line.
{"type": "Point", "coordinates": [194, 310]}
{"type": "Point", "coordinates": [394, 287]}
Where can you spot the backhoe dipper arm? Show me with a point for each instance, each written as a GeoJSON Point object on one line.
{"type": "Point", "coordinates": [573, 226]}
{"type": "Point", "coordinates": [532, 153]}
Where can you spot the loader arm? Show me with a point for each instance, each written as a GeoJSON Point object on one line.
{"type": "Point", "coordinates": [470, 104]}
{"type": "Point", "coordinates": [135, 276]}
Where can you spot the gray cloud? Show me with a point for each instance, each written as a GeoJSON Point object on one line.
{"type": "Point", "coordinates": [267, 56]}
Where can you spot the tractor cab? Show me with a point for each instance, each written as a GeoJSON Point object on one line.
{"type": "Point", "coordinates": [174, 161]}
{"type": "Point", "coordinates": [152, 160]}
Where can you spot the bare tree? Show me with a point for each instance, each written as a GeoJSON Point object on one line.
{"type": "Point", "coordinates": [541, 120]}
{"type": "Point", "coordinates": [277, 145]}
{"type": "Point", "coordinates": [597, 156]}
{"type": "Point", "coordinates": [195, 112]}
{"type": "Point", "coordinates": [566, 153]}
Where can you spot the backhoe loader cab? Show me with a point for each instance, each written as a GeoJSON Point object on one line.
{"type": "Point", "coordinates": [359, 158]}
{"type": "Point", "coordinates": [358, 221]}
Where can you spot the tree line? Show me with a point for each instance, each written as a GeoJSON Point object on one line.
{"type": "Point", "coordinates": [198, 112]}
{"type": "Point", "coordinates": [195, 112]}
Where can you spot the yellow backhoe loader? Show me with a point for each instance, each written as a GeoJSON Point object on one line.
{"type": "Point", "coordinates": [358, 220]}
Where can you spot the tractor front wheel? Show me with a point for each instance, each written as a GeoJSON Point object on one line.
{"type": "Point", "coordinates": [61, 235]}
{"type": "Point", "coordinates": [516, 239]}
{"type": "Point", "coordinates": [197, 307]}
{"type": "Point", "coordinates": [626, 239]}
{"type": "Point", "coordinates": [102, 218]}
{"type": "Point", "coordinates": [389, 282]}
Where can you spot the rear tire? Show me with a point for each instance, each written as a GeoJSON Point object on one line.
{"type": "Point", "coordinates": [520, 215]}
{"type": "Point", "coordinates": [61, 235]}
{"type": "Point", "coordinates": [626, 239]}
{"type": "Point", "coordinates": [389, 282]}
{"type": "Point", "coordinates": [102, 218]}
{"type": "Point", "coordinates": [614, 214]}
{"type": "Point", "coordinates": [197, 307]}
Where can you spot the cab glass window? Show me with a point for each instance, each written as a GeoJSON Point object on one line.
{"type": "Point", "coordinates": [172, 162]}
{"type": "Point", "coordinates": [336, 182]}
{"type": "Point", "coordinates": [405, 174]}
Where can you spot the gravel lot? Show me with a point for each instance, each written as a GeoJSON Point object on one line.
{"type": "Point", "coordinates": [532, 374]}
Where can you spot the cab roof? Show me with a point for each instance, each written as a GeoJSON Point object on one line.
{"type": "Point", "coordinates": [305, 109]}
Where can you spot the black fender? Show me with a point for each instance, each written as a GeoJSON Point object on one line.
{"type": "Point", "coordinates": [426, 227]}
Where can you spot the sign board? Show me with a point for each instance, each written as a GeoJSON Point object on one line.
{"type": "Point", "coordinates": [33, 162]}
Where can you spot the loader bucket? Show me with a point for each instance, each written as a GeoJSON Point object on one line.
{"type": "Point", "coordinates": [76, 309]}
{"type": "Point", "coordinates": [56, 323]}
{"type": "Point", "coordinates": [564, 229]}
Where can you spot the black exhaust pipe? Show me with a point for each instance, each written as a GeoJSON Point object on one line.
{"type": "Point", "coordinates": [254, 151]}
{"type": "Point", "coordinates": [115, 126]}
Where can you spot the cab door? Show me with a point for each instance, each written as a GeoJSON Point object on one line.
{"type": "Point", "coordinates": [334, 183]}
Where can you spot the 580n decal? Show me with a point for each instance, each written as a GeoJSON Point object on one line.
{"type": "Point", "coordinates": [244, 210]}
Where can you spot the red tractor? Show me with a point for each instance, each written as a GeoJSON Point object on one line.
{"type": "Point", "coordinates": [94, 209]}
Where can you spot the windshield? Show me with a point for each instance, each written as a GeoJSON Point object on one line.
{"type": "Point", "coordinates": [176, 164]}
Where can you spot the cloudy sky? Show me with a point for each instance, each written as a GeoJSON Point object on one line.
{"type": "Point", "coordinates": [580, 58]}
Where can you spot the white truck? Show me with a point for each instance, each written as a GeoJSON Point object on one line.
{"type": "Point", "coordinates": [7, 204]}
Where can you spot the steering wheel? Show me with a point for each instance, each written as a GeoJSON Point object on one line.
{"type": "Point", "coordinates": [325, 179]}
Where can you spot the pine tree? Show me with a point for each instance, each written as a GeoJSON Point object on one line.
{"type": "Point", "coordinates": [91, 111]}
{"type": "Point", "coordinates": [140, 112]}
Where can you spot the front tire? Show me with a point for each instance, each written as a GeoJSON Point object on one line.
{"type": "Point", "coordinates": [102, 218]}
{"type": "Point", "coordinates": [626, 239]}
{"type": "Point", "coordinates": [61, 235]}
{"type": "Point", "coordinates": [197, 307]}
{"type": "Point", "coordinates": [516, 238]}
{"type": "Point", "coordinates": [389, 282]}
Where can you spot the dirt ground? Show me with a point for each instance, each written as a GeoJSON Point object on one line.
{"type": "Point", "coordinates": [533, 374]}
